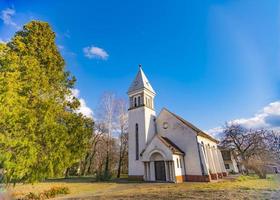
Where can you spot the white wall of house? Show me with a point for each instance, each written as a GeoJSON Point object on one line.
{"type": "Point", "coordinates": [231, 166]}
{"type": "Point", "coordinates": [178, 165]}
{"type": "Point", "coordinates": [184, 137]}
{"type": "Point", "coordinates": [215, 162]}
{"type": "Point", "coordinates": [144, 117]}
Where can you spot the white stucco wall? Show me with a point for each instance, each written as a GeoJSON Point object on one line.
{"type": "Point", "coordinates": [206, 141]}
{"type": "Point", "coordinates": [184, 137]}
{"type": "Point", "coordinates": [214, 161]}
{"type": "Point", "coordinates": [178, 170]}
{"type": "Point", "coordinates": [144, 117]}
{"type": "Point", "coordinates": [232, 164]}
{"type": "Point", "coordinates": [149, 115]}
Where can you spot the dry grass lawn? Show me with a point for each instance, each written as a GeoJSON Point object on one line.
{"type": "Point", "coordinates": [235, 188]}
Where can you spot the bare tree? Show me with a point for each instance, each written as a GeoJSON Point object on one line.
{"type": "Point", "coordinates": [88, 165]}
{"type": "Point", "coordinates": [108, 150]}
{"type": "Point", "coordinates": [122, 107]}
{"type": "Point", "coordinates": [107, 110]}
{"type": "Point", "coordinates": [251, 146]}
{"type": "Point", "coordinates": [274, 144]}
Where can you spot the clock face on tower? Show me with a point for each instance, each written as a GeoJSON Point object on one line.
{"type": "Point", "coordinates": [165, 125]}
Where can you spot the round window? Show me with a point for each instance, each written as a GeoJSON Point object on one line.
{"type": "Point", "coordinates": [165, 125]}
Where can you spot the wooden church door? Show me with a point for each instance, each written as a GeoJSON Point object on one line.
{"type": "Point", "coordinates": [160, 171]}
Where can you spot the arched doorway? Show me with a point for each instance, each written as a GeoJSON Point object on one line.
{"type": "Point", "coordinates": [159, 166]}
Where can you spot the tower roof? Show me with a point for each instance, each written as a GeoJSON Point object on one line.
{"type": "Point", "coordinates": [140, 82]}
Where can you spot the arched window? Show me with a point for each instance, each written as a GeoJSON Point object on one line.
{"type": "Point", "coordinates": [202, 145]}
{"type": "Point", "coordinates": [137, 141]}
{"type": "Point", "coordinates": [204, 151]}
{"type": "Point", "coordinates": [135, 102]}
{"type": "Point", "coordinates": [139, 101]}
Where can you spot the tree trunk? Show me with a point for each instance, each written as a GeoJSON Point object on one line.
{"type": "Point", "coordinates": [120, 163]}
{"type": "Point", "coordinates": [67, 173]}
{"type": "Point", "coordinates": [106, 171]}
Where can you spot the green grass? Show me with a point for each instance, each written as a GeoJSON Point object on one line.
{"type": "Point", "coordinates": [242, 187]}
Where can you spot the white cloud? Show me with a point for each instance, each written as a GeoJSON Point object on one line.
{"type": "Point", "coordinates": [3, 41]}
{"type": "Point", "coordinates": [262, 118]}
{"type": "Point", "coordinates": [7, 15]}
{"type": "Point", "coordinates": [75, 92]}
{"type": "Point", "coordinates": [216, 132]}
{"type": "Point", "coordinates": [95, 52]}
{"type": "Point", "coordinates": [84, 109]}
{"type": "Point", "coordinates": [268, 117]}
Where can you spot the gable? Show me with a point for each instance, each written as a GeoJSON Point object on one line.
{"type": "Point", "coordinates": [185, 123]}
{"type": "Point", "coordinates": [163, 145]}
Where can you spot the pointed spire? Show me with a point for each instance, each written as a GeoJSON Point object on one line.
{"type": "Point", "coordinates": [140, 82]}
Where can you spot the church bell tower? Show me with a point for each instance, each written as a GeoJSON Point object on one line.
{"type": "Point", "coordinates": [141, 122]}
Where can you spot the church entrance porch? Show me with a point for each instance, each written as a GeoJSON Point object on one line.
{"type": "Point", "coordinates": [160, 171]}
{"type": "Point", "coordinates": [159, 168]}
{"type": "Point", "coordinates": [161, 162]}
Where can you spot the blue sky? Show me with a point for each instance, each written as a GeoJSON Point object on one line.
{"type": "Point", "coordinates": [209, 61]}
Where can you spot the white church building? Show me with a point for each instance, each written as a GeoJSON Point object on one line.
{"type": "Point", "coordinates": [167, 147]}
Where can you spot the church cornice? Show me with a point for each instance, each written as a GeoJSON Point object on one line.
{"type": "Point", "coordinates": [142, 106]}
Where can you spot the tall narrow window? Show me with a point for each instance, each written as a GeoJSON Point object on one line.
{"type": "Point", "coordinates": [137, 142]}
{"type": "Point", "coordinates": [202, 145]}
{"type": "Point", "coordinates": [139, 101]}
{"type": "Point", "coordinates": [135, 102]}
{"type": "Point", "coordinates": [177, 163]}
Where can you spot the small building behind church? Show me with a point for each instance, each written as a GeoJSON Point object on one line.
{"type": "Point", "coordinates": [231, 163]}
{"type": "Point", "coordinates": [166, 147]}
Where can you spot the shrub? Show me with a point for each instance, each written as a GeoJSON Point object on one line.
{"type": "Point", "coordinates": [54, 191]}
{"type": "Point", "coordinates": [32, 196]}
{"type": "Point", "coordinates": [246, 178]}
{"type": "Point", "coordinates": [51, 193]}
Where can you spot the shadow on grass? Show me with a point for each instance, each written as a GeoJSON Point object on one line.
{"type": "Point", "coordinates": [125, 180]}
{"type": "Point", "coordinates": [81, 179]}
{"type": "Point", "coordinates": [91, 179]}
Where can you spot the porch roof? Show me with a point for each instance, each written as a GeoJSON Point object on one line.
{"type": "Point", "coordinates": [173, 147]}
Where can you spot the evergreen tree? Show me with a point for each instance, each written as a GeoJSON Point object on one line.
{"type": "Point", "coordinates": [41, 134]}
